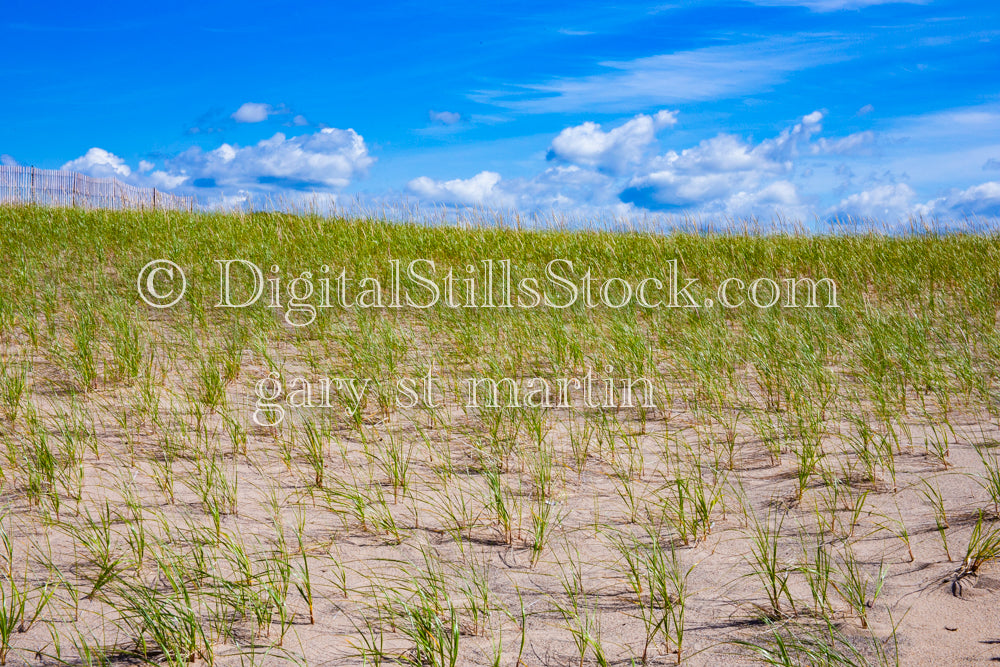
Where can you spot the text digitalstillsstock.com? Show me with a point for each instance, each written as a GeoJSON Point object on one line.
{"type": "Point", "coordinates": [488, 283]}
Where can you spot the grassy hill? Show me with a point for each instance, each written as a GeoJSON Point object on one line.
{"type": "Point", "coordinates": [804, 485]}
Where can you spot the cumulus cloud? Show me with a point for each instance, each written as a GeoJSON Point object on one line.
{"type": "Point", "coordinates": [832, 5]}
{"type": "Point", "coordinates": [594, 171]}
{"type": "Point", "coordinates": [723, 170]}
{"type": "Point", "coordinates": [100, 163]}
{"type": "Point", "coordinates": [8, 161]}
{"type": "Point", "coordinates": [786, 145]}
{"type": "Point", "coordinates": [615, 150]}
{"type": "Point", "coordinates": [564, 187]}
{"type": "Point", "coordinates": [480, 190]}
{"type": "Point", "coordinates": [979, 200]}
{"type": "Point", "coordinates": [780, 198]}
{"type": "Point", "coordinates": [330, 158]}
{"type": "Point", "coordinates": [730, 175]}
{"type": "Point", "coordinates": [164, 181]}
{"type": "Point", "coordinates": [252, 112]}
{"type": "Point", "coordinates": [558, 188]}
{"type": "Point", "coordinates": [620, 170]}
{"type": "Point", "coordinates": [898, 201]}
{"type": "Point", "coordinates": [298, 168]}
{"type": "Point", "coordinates": [885, 202]}
{"type": "Point", "coordinates": [780, 193]}
{"type": "Point", "coordinates": [723, 174]}
{"type": "Point", "coordinates": [104, 164]}
{"type": "Point", "coordinates": [444, 117]}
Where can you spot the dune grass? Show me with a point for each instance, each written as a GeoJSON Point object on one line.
{"type": "Point", "coordinates": [789, 467]}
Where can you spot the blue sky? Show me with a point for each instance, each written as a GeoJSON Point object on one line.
{"type": "Point", "coordinates": [806, 109]}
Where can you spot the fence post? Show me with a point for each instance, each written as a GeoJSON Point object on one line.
{"type": "Point", "coordinates": [33, 185]}
{"type": "Point", "coordinates": [154, 199]}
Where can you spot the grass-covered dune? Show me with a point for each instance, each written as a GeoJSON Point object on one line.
{"type": "Point", "coordinates": [787, 485]}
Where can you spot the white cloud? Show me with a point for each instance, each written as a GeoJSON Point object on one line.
{"type": "Point", "coordinates": [896, 201]}
{"type": "Point", "coordinates": [100, 163]}
{"type": "Point", "coordinates": [164, 181]}
{"type": "Point", "coordinates": [865, 110]}
{"type": "Point", "coordinates": [979, 200]}
{"type": "Point", "coordinates": [480, 190]}
{"type": "Point", "coordinates": [444, 117]}
{"type": "Point", "coordinates": [560, 187]}
{"type": "Point", "coordinates": [614, 151]}
{"type": "Point", "coordinates": [833, 5]}
{"type": "Point", "coordinates": [330, 158]}
{"type": "Point", "coordinates": [297, 168]}
{"type": "Point", "coordinates": [8, 161]}
{"type": "Point", "coordinates": [782, 193]}
{"type": "Point", "coordinates": [852, 144]}
{"type": "Point", "coordinates": [252, 112]}
{"type": "Point", "coordinates": [891, 201]}
{"type": "Point", "coordinates": [566, 191]}
{"type": "Point", "coordinates": [781, 197]}
{"type": "Point", "coordinates": [566, 188]}
{"type": "Point", "coordinates": [785, 147]}
{"type": "Point", "coordinates": [710, 73]}
{"type": "Point", "coordinates": [615, 171]}
{"type": "Point", "coordinates": [619, 169]}
{"type": "Point", "coordinates": [710, 175]}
